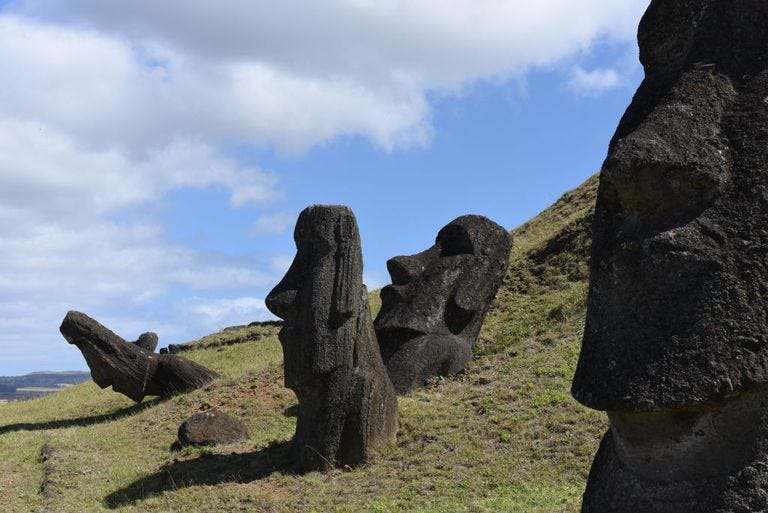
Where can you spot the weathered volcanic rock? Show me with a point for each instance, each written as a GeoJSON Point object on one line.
{"type": "Point", "coordinates": [675, 346]}
{"type": "Point", "coordinates": [432, 312]}
{"type": "Point", "coordinates": [147, 341]}
{"type": "Point", "coordinates": [347, 406]}
{"type": "Point", "coordinates": [129, 368]}
{"type": "Point", "coordinates": [212, 427]}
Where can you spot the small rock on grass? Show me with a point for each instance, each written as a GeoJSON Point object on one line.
{"type": "Point", "coordinates": [212, 427]}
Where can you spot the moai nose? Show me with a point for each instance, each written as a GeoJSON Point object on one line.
{"type": "Point", "coordinates": [403, 269]}
{"type": "Point", "coordinates": [281, 301]}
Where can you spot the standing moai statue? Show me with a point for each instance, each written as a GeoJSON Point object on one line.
{"type": "Point", "coordinates": [347, 406]}
{"type": "Point", "coordinates": [432, 312]}
{"type": "Point", "coordinates": [675, 347]}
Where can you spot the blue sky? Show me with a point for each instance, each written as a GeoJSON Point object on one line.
{"type": "Point", "coordinates": [154, 155]}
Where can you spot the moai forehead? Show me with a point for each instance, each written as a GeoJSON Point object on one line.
{"type": "Point", "coordinates": [677, 303]}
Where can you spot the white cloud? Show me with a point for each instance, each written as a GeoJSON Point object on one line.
{"type": "Point", "coordinates": [46, 171]}
{"type": "Point", "coordinates": [226, 312]}
{"type": "Point", "coordinates": [435, 40]}
{"type": "Point", "coordinates": [107, 97]}
{"type": "Point", "coordinates": [292, 74]}
{"type": "Point", "coordinates": [273, 223]}
{"type": "Point", "coordinates": [114, 273]}
{"type": "Point", "coordinates": [595, 82]}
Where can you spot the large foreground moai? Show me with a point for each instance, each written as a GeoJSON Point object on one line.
{"type": "Point", "coordinates": [676, 341]}
{"type": "Point", "coordinates": [432, 313]}
{"type": "Point", "coordinates": [347, 406]}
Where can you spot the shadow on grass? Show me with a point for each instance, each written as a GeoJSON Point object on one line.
{"type": "Point", "coordinates": [208, 469]}
{"type": "Point", "coordinates": [81, 421]}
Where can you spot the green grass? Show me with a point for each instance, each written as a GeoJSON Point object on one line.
{"type": "Point", "coordinates": [503, 436]}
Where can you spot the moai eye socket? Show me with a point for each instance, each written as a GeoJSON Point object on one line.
{"type": "Point", "coordinates": [455, 240]}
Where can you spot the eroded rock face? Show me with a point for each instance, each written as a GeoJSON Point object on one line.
{"type": "Point", "coordinates": [347, 406]}
{"type": "Point", "coordinates": [432, 312]}
{"type": "Point", "coordinates": [675, 346]}
{"type": "Point", "coordinates": [212, 427]}
{"type": "Point", "coordinates": [129, 368]}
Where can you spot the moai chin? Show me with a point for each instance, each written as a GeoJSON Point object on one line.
{"type": "Point", "coordinates": [675, 346]}
{"type": "Point", "coordinates": [432, 312]}
{"type": "Point", "coordinates": [347, 406]}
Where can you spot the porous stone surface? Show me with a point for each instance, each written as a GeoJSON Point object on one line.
{"type": "Point", "coordinates": [347, 405]}
{"type": "Point", "coordinates": [675, 347]}
{"type": "Point", "coordinates": [212, 427]}
{"type": "Point", "coordinates": [677, 308]}
{"type": "Point", "coordinates": [705, 459]}
{"type": "Point", "coordinates": [432, 312]}
{"type": "Point", "coordinates": [147, 341]}
{"type": "Point", "coordinates": [127, 367]}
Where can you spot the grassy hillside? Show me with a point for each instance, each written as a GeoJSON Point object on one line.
{"type": "Point", "coordinates": [503, 436]}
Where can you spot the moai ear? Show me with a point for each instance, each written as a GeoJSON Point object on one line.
{"type": "Point", "coordinates": [347, 281]}
{"type": "Point", "coordinates": [470, 296]}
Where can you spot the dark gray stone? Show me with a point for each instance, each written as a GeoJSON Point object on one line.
{"type": "Point", "coordinates": [147, 341]}
{"type": "Point", "coordinates": [675, 346]}
{"type": "Point", "coordinates": [690, 460]}
{"type": "Point", "coordinates": [347, 406]}
{"type": "Point", "coordinates": [129, 368]}
{"type": "Point", "coordinates": [212, 427]}
{"type": "Point", "coordinates": [432, 312]}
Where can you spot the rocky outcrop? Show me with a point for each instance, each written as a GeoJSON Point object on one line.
{"type": "Point", "coordinates": [129, 368]}
{"type": "Point", "coordinates": [212, 427]}
{"type": "Point", "coordinates": [675, 346]}
{"type": "Point", "coordinates": [347, 406]}
{"type": "Point", "coordinates": [432, 312]}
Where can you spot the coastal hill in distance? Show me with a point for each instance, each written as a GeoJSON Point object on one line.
{"type": "Point", "coordinates": [38, 384]}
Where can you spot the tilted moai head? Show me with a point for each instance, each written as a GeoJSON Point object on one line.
{"type": "Point", "coordinates": [432, 312]}
{"type": "Point", "coordinates": [676, 336]}
{"type": "Point", "coordinates": [347, 406]}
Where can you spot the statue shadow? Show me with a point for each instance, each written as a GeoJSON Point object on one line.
{"type": "Point", "coordinates": [207, 469]}
{"type": "Point", "coordinates": [81, 421]}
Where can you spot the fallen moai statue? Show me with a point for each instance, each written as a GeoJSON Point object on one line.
{"type": "Point", "coordinates": [432, 312]}
{"type": "Point", "coordinates": [129, 368]}
{"type": "Point", "coordinates": [347, 406]}
{"type": "Point", "coordinates": [675, 346]}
